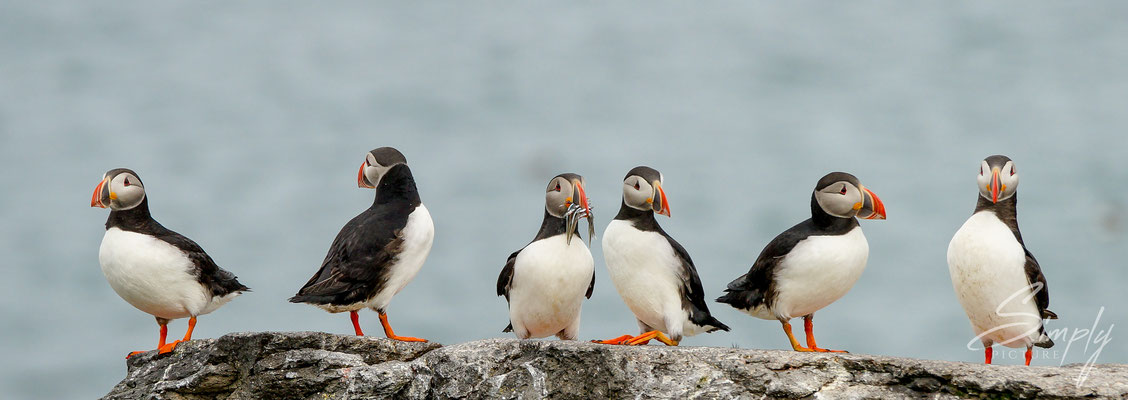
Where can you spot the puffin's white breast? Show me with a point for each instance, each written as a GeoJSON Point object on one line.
{"type": "Point", "coordinates": [987, 265]}
{"type": "Point", "coordinates": [418, 235]}
{"type": "Point", "coordinates": [818, 271]}
{"type": "Point", "coordinates": [152, 275]}
{"type": "Point", "coordinates": [647, 274]}
{"type": "Point", "coordinates": [550, 279]}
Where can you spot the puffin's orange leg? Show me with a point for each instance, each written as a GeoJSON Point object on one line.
{"type": "Point", "coordinates": [619, 340]}
{"type": "Point", "coordinates": [987, 355]}
{"type": "Point", "coordinates": [646, 337]}
{"type": "Point", "coordinates": [791, 338]}
{"type": "Point", "coordinates": [809, 328]}
{"type": "Point", "coordinates": [1029, 353]}
{"type": "Point", "coordinates": [392, 335]}
{"type": "Point", "coordinates": [164, 335]}
{"type": "Point", "coordinates": [356, 322]}
{"type": "Point", "coordinates": [187, 336]}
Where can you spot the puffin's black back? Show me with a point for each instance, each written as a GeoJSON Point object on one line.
{"type": "Point", "coordinates": [358, 261]}
{"type": "Point", "coordinates": [137, 219]}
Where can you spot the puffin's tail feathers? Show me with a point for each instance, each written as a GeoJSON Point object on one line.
{"type": "Point", "coordinates": [739, 296]}
{"type": "Point", "coordinates": [714, 325]}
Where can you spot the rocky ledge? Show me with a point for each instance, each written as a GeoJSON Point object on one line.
{"type": "Point", "coordinates": [312, 365]}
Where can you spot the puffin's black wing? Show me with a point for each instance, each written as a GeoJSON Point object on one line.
{"type": "Point", "coordinates": [591, 286]}
{"type": "Point", "coordinates": [356, 267]}
{"type": "Point", "coordinates": [219, 281]}
{"type": "Point", "coordinates": [1034, 277]}
{"type": "Point", "coordinates": [693, 295]}
{"type": "Point", "coordinates": [758, 286]}
{"type": "Point", "coordinates": [505, 280]}
{"type": "Point", "coordinates": [506, 277]}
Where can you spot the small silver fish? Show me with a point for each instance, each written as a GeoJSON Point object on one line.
{"type": "Point", "coordinates": [572, 221]}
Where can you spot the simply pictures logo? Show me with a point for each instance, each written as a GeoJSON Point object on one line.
{"type": "Point", "coordinates": [1016, 324]}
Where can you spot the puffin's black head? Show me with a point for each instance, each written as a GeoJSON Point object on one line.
{"type": "Point", "coordinates": [563, 191]}
{"type": "Point", "coordinates": [376, 164]}
{"type": "Point", "coordinates": [120, 189]}
{"type": "Point", "coordinates": [842, 195]}
{"type": "Point", "coordinates": [998, 179]}
{"type": "Point", "coordinates": [642, 190]}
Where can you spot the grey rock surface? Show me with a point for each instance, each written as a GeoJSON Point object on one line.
{"type": "Point", "coordinates": [312, 365]}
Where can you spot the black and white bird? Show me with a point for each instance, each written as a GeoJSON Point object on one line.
{"type": "Point", "coordinates": [378, 252]}
{"type": "Point", "coordinates": [546, 281]}
{"type": "Point", "coordinates": [159, 271]}
{"type": "Point", "coordinates": [653, 272]}
{"type": "Point", "coordinates": [994, 275]}
{"type": "Point", "coordinates": [812, 264]}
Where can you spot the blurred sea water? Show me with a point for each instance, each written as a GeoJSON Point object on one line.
{"type": "Point", "coordinates": [247, 121]}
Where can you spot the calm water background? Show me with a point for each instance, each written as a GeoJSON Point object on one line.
{"type": "Point", "coordinates": [247, 122]}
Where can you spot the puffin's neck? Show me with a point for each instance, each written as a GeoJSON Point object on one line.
{"type": "Point", "coordinates": [828, 222]}
{"type": "Point", "coordinates": [397, 186]}
{"type": "Point", "coordinates": [642, 220]}
{"type": "Point", "coordinates": [552, 226]}
{"type": "Point", "coordinates": [134, 219]}
{"type": "Point", "coordinates": [1005, 210]}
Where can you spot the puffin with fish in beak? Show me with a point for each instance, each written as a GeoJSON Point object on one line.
{"type": "Point", "coordinates": [546, 281]}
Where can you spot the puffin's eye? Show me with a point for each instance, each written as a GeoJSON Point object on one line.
{"type": "Point", "coordinates": [1012, 171]}
{"type": "Point", "coordinates": [126, 182]}
{"type": "Point", "coordinates": [557, 187]}
{"type": "Point", "coordinates": [980, 170]}
{"type": "Point", "coordinates": [843, 191]}
{"type": "Point", "coordinates": [636, 186]}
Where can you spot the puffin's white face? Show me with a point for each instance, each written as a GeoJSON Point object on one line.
{"type": "Point", "coordinates": [118, 190]}
{"type": "Point", "coordinates": [562, 193]}
{"type": "Point", "coordinates": [377, 163]}
{"type": "Point", "coordinates": [840, 199]}
{"type": "Point", "coordinates": [997, 182]}
{"type": "Point", "coordinates": [647, 196]}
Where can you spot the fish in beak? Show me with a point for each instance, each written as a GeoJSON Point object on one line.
{"type": "Point", "coordinates": [578, 208]}
{"type": "Point", "coordinates": [102, 196]}
{"type": "Point", "coordinates": [871, 206]}
{"type": "Point", "coordinates": [659, 203]}
{"type": "Point", "coordinates": [361, 179]}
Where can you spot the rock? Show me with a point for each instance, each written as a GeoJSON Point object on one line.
{"type": "Point", "coordinates": [311, 365]}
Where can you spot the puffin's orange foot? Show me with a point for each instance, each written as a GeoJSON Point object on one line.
{"type": "Point", "coordinates": [407, 339]}
{"type": "Point", "coordinates": [646, 337]}
{"type": "Point", "coordinates": [168, 347]}
{"type": "Point", "coordinates": [822, 350]}
{"type": "Point", "coordinates": [133, 353]}
{"type": "Point", "coordinates": [619, 340]}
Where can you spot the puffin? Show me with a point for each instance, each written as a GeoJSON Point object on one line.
{"type": "Point", "coordinates": [546, 281]}
{"type": "Point", "coordinates": [652, 272]}
{"type": "Point", "coordinates": [378, 252]}
{"type": "Point", "coordinates": [812, 264]}
{"type": "Point", "coordinates": [996, 279]}
{"type": "Point", "coordinates": [158, 271]}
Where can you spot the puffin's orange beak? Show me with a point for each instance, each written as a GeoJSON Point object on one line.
{"type": "Point", "coordinates": [872, 207]}
{"type": "Point", "coordinates": [995, 185]}
{"type": "Point", "coordinates": [583, 200]}
{"type": "Point", "coordinates": [361, 180]}
{"type": "Point", "coordinates": [660, 205]}
{"type": "Point", "coordinates": [96, 199]}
